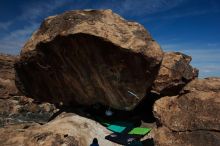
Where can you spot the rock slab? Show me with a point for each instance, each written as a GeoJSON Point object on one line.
{"type": "Point", "coordinates": [66, 130]}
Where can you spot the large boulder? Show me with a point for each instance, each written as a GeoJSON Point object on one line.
{"type": "Point", "coordinates": [194, 114]}
{"type": "Point", "coordinates": [174, 73]}
{"type": "Point", "coordinates": [89, 56]}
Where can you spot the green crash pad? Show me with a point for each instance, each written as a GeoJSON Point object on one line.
{"type": "Point", "coordinates": [140, 131]}
{"type": "Point", "coordinates": [120, 126]}
{"type": "Point", "coordinates": [116, 128]}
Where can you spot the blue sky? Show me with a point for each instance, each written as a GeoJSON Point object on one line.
{"type": "Point", "coordinates": [188, 26]}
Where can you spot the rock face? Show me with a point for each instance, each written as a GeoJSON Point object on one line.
{"type": "Point", "coordinates": [85, 57]}
{"type": "Point", "coordinates": [191, 118]}
{"type": "Point", "coordinates": [66, 130]}
{"type": "Point", "coordinates": [174, 73]}
{"type": "Point", "coordinates": [7, 76]}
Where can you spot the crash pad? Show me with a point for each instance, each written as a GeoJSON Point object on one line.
{"type": "Point", "coordinates": [116, 128]}
{"type": "Point", "coordinates": [123, 139]}
{"type": "Point", "coordinates": [140, 131]}
{"type": "Point", "coordinates": [120, 126]}
{"type": "Point", "coordinates": [107, 123]}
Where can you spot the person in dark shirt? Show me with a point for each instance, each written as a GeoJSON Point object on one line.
{"type": "Point", "coordinates": [95, 142]}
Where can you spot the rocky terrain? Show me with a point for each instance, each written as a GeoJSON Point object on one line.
{"type": "Point", "coordinates": [81, 58]}
{"type": "Point", "coordinates": [191, 118]}
{"type": "Point", "coordinates": [7, 76]}
{"type": "Point", "coordinates": [14, 107]}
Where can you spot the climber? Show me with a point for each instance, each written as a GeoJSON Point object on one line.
{"type": "Point", "coordinates": [95, 142]}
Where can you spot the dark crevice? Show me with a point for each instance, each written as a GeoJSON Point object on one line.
{"type": "Point", "coordinates": [143, 112]}
{"type": "Point", "coordinates": [173, 90]}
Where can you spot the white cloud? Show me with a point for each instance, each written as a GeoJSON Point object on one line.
{"type": "Point", "coordinates": [192, 13]}
{"type": "Point", "coordinates": [12, 43]}
{"type": "Point", "coordinates": [185, 14]}
{"type": "Point", "coordinates": [40, 9]}
{"type": "Point", "coordinates": [5, 25]}
{"type": "Point", "coordinates": [209, 70]}
{"type": "Point", "coordinates": [127, 7]}
{"type": "Point", "coordinates": [170, 46]}
{"type": "Point", "coordinates": [148, 6]}
{"type": "Point", "coordinates": [138, 8]}
{"type": "Point", "coordinates": [213, 44]}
